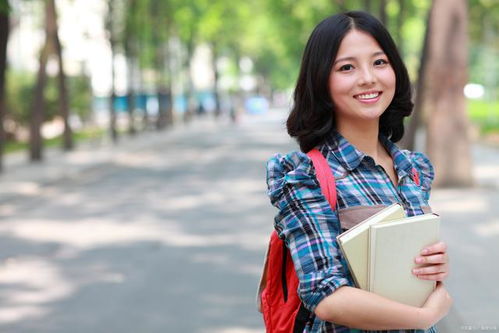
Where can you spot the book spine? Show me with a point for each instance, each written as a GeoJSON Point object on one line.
{"type": "Point", "coordinates": [371, 258]}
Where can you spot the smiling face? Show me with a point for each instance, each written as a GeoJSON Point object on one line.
{"type": "Point", "coordinates": [362, 81]}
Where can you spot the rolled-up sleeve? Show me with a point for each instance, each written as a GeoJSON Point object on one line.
{"type": "Point", "coordinates": [308, 225]}
{"type": "Point", "coordinates": [426, 172]}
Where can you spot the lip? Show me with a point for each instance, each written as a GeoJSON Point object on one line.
{"type": "Point", "coordinates": [371, 100]}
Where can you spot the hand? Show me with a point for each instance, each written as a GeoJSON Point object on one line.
{"type": "Point", "coordinates": [437, 306]}
{"type": "Point", "coordinates": [435, 263]}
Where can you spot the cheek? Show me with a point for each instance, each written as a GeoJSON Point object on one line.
{"type": "Point", "coordinates": [339, 86]}
{"type": "Point", "coordinates": [389, 79]}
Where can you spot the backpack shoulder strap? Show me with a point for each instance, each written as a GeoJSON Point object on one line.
{"type": "Point", "coordinates": [324, 176]}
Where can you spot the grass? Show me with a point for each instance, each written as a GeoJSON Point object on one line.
{"type": "Point", "coordinates": [80, 136]}
{"type": "Point", "coordinates": [485, 115]}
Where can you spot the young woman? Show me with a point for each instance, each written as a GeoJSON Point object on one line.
{"type": "Point", "coordinates": [351, 97]}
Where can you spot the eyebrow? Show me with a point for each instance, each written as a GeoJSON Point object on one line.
{"type": "Point", "coordinates": [353, 58]}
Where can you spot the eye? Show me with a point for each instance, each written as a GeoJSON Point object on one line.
{"type": "Point", "coordinates": [346, 68]}
{"type": "Point", "coordinates": [379, 62]}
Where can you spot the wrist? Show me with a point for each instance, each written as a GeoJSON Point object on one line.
{"type": "Point", "coordinates": [425, 318]}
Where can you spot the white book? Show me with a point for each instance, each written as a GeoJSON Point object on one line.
{"type": "Point", "coordinates": [392, 249]}
{"type": "Point", "coordinates": [354, 243]}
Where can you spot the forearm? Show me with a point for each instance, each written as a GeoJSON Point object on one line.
{"type": "Point", "coordinates": [357, 308]}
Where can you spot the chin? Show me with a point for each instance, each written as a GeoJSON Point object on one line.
{"type": "Point", "coordinates": [371, 115]}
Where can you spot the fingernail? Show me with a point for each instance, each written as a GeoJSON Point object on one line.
{"type": "Point", "coordinates": [425, 251]}
{"type": "Point", "coordinates": [416, 271]}
{"type": "Point", "coordinates": [419, 260]}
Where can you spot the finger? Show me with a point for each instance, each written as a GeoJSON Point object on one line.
{"type": "Point", "coordinates": [440, 247]}
{"type": "Point", "coordinates": [433, 277]}
{"type": "Point", "coordinates": [441, 258]}
{"type": "Point", "coordinates": [432, 269]}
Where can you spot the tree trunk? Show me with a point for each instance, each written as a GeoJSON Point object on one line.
{"type": "Point", "coordinates": [112, 93]}
{"type": "Point", "coordinates": [112, 109]}
{"type": "Point", "coordinates": [169, 109]}
{"type": "Point", "coordinates": [341, 5]}
{"type": "Point", "coordinates": [189, 91]}
{"type": "Point", "coordinates": [38, 109]}
{"type": "Point", "coordinates": [160, 86]}
{"type": "Point", "coordinates": [409, 139]}
{"type": "Point", "coordinates": [447, 142]}
{"type": "Point", "coordinates": [4, 37]}
{"type": "Point", "coordinates": [61, 78]}
{"type": "Point", "coordinates": [367, 5]}
{"type": "Point", "coordinates": [382, 12]}
{"type": "Point", "coordinates": [400, 24]}
{"type": "Point", "coordinates": [130, 97]}
{"type": "Point", "coordinates": [169, 92]}
{"type": "Point", "coordinates": [216, 80]}
{"type": "Point", "coordinates": [237, 99]}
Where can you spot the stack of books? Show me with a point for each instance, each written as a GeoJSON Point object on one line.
{"type": "Point", "coordinates": [380, 253]}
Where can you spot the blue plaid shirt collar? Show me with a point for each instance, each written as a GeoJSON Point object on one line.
{"type": "Point", "coordinates": [350, 157]}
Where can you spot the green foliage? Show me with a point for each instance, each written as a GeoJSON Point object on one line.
{"type": "Point", "coordinates": [19, 95]}
{"type": "Point", "coordinates": [485, 115]}
{"type": "Point", "coordinates": [20, 87]}
{"type": "Point", "coordinates": [80, 93]}
{"type": "Point", "coordinates": [272, 33]}
{"type": "Point", "coordinates": [4, 6]}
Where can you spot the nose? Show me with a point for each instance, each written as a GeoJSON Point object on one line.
{"type": "Point", "coordinates": [367, 77]}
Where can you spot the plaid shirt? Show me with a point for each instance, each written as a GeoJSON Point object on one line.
{"type": "Point", "coordinates": [309, 225]}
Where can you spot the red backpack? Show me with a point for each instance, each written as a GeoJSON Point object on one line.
{"type": "Point", "coordinates": [278, 299]}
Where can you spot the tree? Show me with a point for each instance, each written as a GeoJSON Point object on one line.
{"type": "Point", "coordinates": [38, 108]}
{"type": "Point", "coordinates": [52, 46]}
{"type": "Point", "coordinates": [445, 75]}
{"type": "Point", "coordinates": [162, 20]}
{"type": "Point", "coordinates": [110, 20]}
{"type": "Point", "coordinates": [129, 41]}
{"type": "Point", "coordinates": [382, 12]}
{"type": "Point", "coordinates": [186, 18]}
{"type": "Point", "coordinates": [4, 37]}
{"type": "Point", "coordinates": [415, 122]}
{"type": "Point", "coordinates": [61, 80]}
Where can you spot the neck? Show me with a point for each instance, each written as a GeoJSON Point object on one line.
{"type": "Point", "coordinates": [363, 135]}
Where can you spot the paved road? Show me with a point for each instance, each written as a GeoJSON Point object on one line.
{"type": "Point", "coordinates": [166, 234]}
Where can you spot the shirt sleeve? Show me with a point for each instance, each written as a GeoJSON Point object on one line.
{"type": "Point", "coordinates": [308, 225]}
{"type": "Point", "coordinates": [426, 172]}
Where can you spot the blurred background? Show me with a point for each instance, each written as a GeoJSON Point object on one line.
{"type": "Point", "coordinates": [133, 142]}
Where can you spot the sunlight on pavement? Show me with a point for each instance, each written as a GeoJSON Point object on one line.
{"type": "Point", "coordinates": [192, 201]}
{"type": "Point", "coordinates": [22, 188]}
{"type": "Point", "coordinates": [29, 285]}
{"type": "Point", "coordinates": [7, 210]}
{"type": "Point", "coordinates": [488, 229]}
{"type": "Point", "coordinates": [25, 296]}
{"type": "Point", "coordinates": [92, 233]}
{"type": "Point", "coordinates": [87, 234]}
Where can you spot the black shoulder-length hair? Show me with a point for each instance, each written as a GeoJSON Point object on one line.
{"type": "Point", "coordinates": [311, 118]}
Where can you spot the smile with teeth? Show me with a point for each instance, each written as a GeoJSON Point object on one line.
{"type": "Point", "coordinates": [368, 96]}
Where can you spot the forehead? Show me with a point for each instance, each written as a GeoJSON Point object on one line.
{"type": "Point", "coordinates": [358, 44]}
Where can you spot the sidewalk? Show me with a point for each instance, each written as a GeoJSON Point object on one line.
{"type": "Point", "coordinates": [22, 177]}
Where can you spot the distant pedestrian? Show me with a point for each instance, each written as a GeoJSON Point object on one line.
{"type": "Point", "coordinates": [352, 95]}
